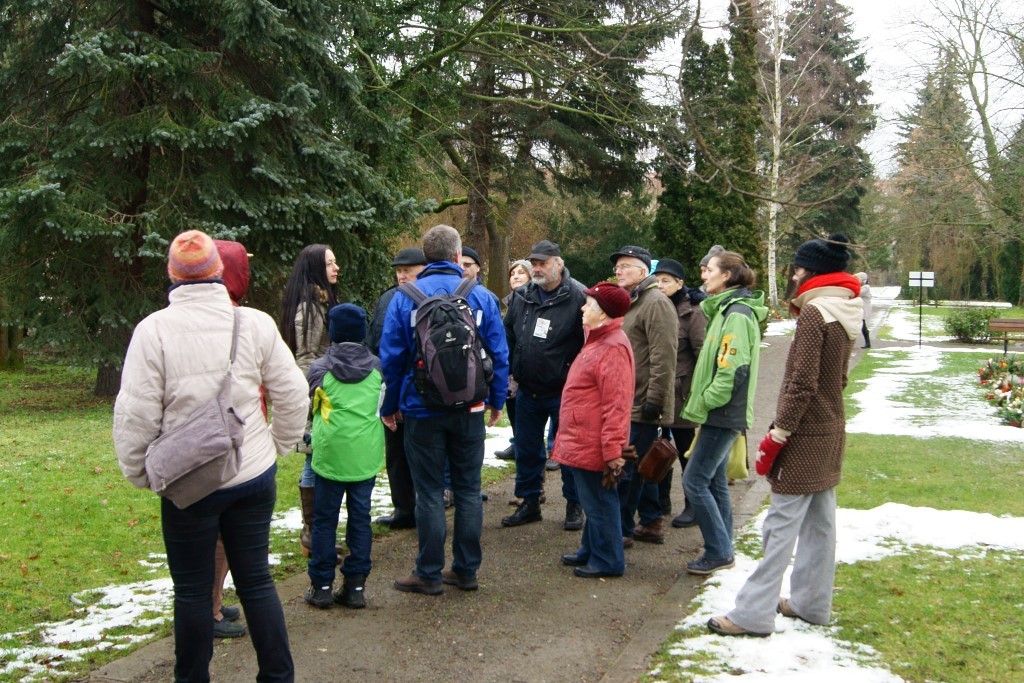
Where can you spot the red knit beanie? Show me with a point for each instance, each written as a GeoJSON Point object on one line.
{"type": "Point", "coordinates": [612, 299]}
{"type": "Point", "coordinates": [193, 256]}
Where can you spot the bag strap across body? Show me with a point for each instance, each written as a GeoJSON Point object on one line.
{"type": "Point", "coordinates": [226, 383]}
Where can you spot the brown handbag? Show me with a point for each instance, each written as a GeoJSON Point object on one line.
{"type": "Point", "coordinates": [658, 461]}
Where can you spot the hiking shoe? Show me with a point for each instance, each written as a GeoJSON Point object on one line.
{"type": "Point", "coordinates": [319, 596]}
{"type": "Point", "coordinates": [685, 519]}
{"type": "Point", "coordinates": [573, 517]}
{"type": "Point", "coordinates": [573, 560]}
{"type": "Point", "coordinates": [414, 584]}
{"type": "Point", "coordinates": [352, 594]}
{"type": "Point", "coordinates": [227, 629]}
{"type": "Point", "coordinates": [528, 511]}
{"type": "Point", "coordinates": [551, 465]}
{"type": "Point", "coordinates": [463, 583]}
{"type": "Point", "coordinates": [650, 533]}
{"type": "Point", "coordinates": [588, 572]}
{"type": "Point", "coordinates": [627, 542]}
{"type": "Point", "coordinates": [230, 613]}
{"type": "Point", "coordinates": [724, 627]}
{"type": "Point", "coordinates": [706, 567]}
{"type": "Point", "coordinates": [396, 522]}
{"type": "Point", "coordinates": [506, 454]}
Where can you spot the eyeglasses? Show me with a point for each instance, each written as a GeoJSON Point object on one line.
{"type": "Point", "coordinates": [623, 266]}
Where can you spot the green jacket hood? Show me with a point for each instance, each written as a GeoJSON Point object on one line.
{"type": "Point", "coordinates": [719, 302]}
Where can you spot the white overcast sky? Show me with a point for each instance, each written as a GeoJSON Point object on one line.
{"type": "Point", "coordinates": [893, 37]}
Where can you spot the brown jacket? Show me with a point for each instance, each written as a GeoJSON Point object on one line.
{"type": "Point", "coordinates": [692, 322]}
{"type": "Point", "coordinates": [653, 330]}
{"type": "Point", "coordinates": [811, 407]}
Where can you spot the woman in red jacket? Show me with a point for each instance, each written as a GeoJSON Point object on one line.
{"type": "Point", "coordinates": [594, 427]}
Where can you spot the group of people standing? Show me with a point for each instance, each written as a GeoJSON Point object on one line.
{"type": "Point", "coordinates": [607, 369]}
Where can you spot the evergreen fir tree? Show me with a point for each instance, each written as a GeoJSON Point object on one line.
{"type": "Point", "coordinates": [122, 124]}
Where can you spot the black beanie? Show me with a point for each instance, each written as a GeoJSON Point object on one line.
{"type": "Point", "coordinates": [346, 323]}
{"type": "Point", "coordinates": [822, 257]}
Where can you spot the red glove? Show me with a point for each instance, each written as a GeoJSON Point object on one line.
{"type": "Point", "coordinates": [766, 454]}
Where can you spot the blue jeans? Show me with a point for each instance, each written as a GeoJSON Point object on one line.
{"type": "Point", "coordinates": [601, 543]}
{"type": "Point", "coordinates": [707, 489]}
{"type": "Point", "coordinates": [458, 440]}
{"type": "Point", "coordinates": [358, 535]}
{"type": "Point", "coordinates": [636, 493]}
{"type": "Point", "coordinates": [241, 515]}
{"type": "Point", "coordinates": [308, 477]}
{"type": "Point", "coordinates": [532, 415]}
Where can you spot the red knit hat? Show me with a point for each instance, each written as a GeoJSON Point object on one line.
{"type": "Point", "coordinates": [193, 256]}
{"type": "Point", "coordinates": [612, 299]}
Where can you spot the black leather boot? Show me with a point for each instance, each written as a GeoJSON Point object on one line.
{"type": "Point", "coordinates": [351, 594]}
{"type": "Point", "coordinates": [573, 517]}
{"type": "Point", "coordinates": [528, 511]}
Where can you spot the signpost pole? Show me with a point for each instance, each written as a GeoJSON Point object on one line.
{"type": "Point", "coordinates": [921, 280]}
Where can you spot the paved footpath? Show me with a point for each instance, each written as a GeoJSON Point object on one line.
{"type": "Point", "coordinates": [531, 620]}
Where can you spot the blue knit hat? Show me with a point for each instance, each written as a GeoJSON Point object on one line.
{"type": "Point", "coordinates": [346, 323]}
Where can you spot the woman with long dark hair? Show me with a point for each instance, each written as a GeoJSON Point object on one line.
{"type": "Point", "coordinates": [802, 455]}
{"type": "Point", "coordinates": [309, 294]}
{"type": "Point", "coordinates": [722, 400]}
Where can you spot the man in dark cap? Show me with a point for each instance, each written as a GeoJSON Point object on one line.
{"type": "Point", "coordinates": [652, 326]}
{"type": "Point", "coordinates": [407, 263]}
{"type": "Point", "coordinates": [544, 328]}
{"type": "Point", "coordinates": [692, 321]}
{"type": "Point", "coordinates": [471, 263]}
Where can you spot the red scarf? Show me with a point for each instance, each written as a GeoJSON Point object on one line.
{"type": "Point", "coordinates": [844, 280]}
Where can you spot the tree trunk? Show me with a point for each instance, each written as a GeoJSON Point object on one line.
{"type": "Point", "coordinates": [11, 355]}
{"type": "Point", "coordinates": [108, 380]}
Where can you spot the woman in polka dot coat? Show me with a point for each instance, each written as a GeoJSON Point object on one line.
{"type": "Point", "coordinates": [802, 455]}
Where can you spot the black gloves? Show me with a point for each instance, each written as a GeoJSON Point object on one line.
{"type": "Point", "coordinates": [650, 411]}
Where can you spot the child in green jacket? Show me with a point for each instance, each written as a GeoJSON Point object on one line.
{"type": "Point", "coordinates": [348, 452]}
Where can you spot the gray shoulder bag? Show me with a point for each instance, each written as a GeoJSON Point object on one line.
{"type": "Point", "coordinates": [200, 455]}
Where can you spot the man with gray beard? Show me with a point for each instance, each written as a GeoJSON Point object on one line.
{"type": "Point", "coordinates": [544, 327]}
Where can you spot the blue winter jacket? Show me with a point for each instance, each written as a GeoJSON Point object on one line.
{"type": "Point", "coordinates": [397, 343]}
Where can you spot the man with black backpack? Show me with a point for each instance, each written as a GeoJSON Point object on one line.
{"type": "Point", "coordinates": [445, 363]}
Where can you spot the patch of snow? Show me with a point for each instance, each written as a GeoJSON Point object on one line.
{"type": "Point", "coordinates": [962, 412]}
{"type": "Point", "coordinates": [798, 651]}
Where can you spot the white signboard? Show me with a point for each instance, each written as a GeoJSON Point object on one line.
{"type": "Point", "coordinates": [922, 278]}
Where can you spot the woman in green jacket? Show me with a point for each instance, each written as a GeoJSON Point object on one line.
{"type": "Point", "coordinates": [722, 400]}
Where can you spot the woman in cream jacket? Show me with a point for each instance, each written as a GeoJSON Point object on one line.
{"type": "Point", "coordinates": [176, 361]}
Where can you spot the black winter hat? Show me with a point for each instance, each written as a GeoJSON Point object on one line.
{"type": "Point", "coordinates": [820, 256]}
{"type": "Point", "coordinates": [346, 323]}
{"type": "Point", "coordinates": [471, 253]}
{"type": "Point", "coordinates": [670, 267]}
{"type": "Point", "coordinates": [410, 256]}
{"type": "Point", "coordinates": [635, 252]}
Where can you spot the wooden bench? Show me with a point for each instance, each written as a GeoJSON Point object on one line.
{"type": "Point", "coordinates": [1006, 329]}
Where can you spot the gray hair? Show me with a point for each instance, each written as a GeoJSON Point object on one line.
{"type": "Point", "coordinates": [712, 252]}
{"type": "Point", "coordinates": [441, 243]}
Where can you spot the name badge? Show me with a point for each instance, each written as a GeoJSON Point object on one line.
{"type": "Point", "coordinates": [542, 328]}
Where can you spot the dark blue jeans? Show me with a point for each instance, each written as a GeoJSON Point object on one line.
{"type": "Point", "coordinates": [241, 515]}
{"type": "Point", "coordinates": [636, 493]}
{"type": "Point", "coordinates": [358, 535]}
{"type": "Point", "coordinates": [601, 543]}
{"type": "Point", "coordinates": [458, 440]}
{"type": "Point", "coordinates": [532, 415]}
{"type": "Point", "coordinates": [707, 489]}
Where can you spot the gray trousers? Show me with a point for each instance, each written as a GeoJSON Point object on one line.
{"type": "Point", "coordinates": [811, 519]}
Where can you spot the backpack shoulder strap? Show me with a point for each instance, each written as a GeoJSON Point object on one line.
{"type": "Point", "coordinates": [464, 288]}
{"type": "Point", "coordinates": [413, 292]}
